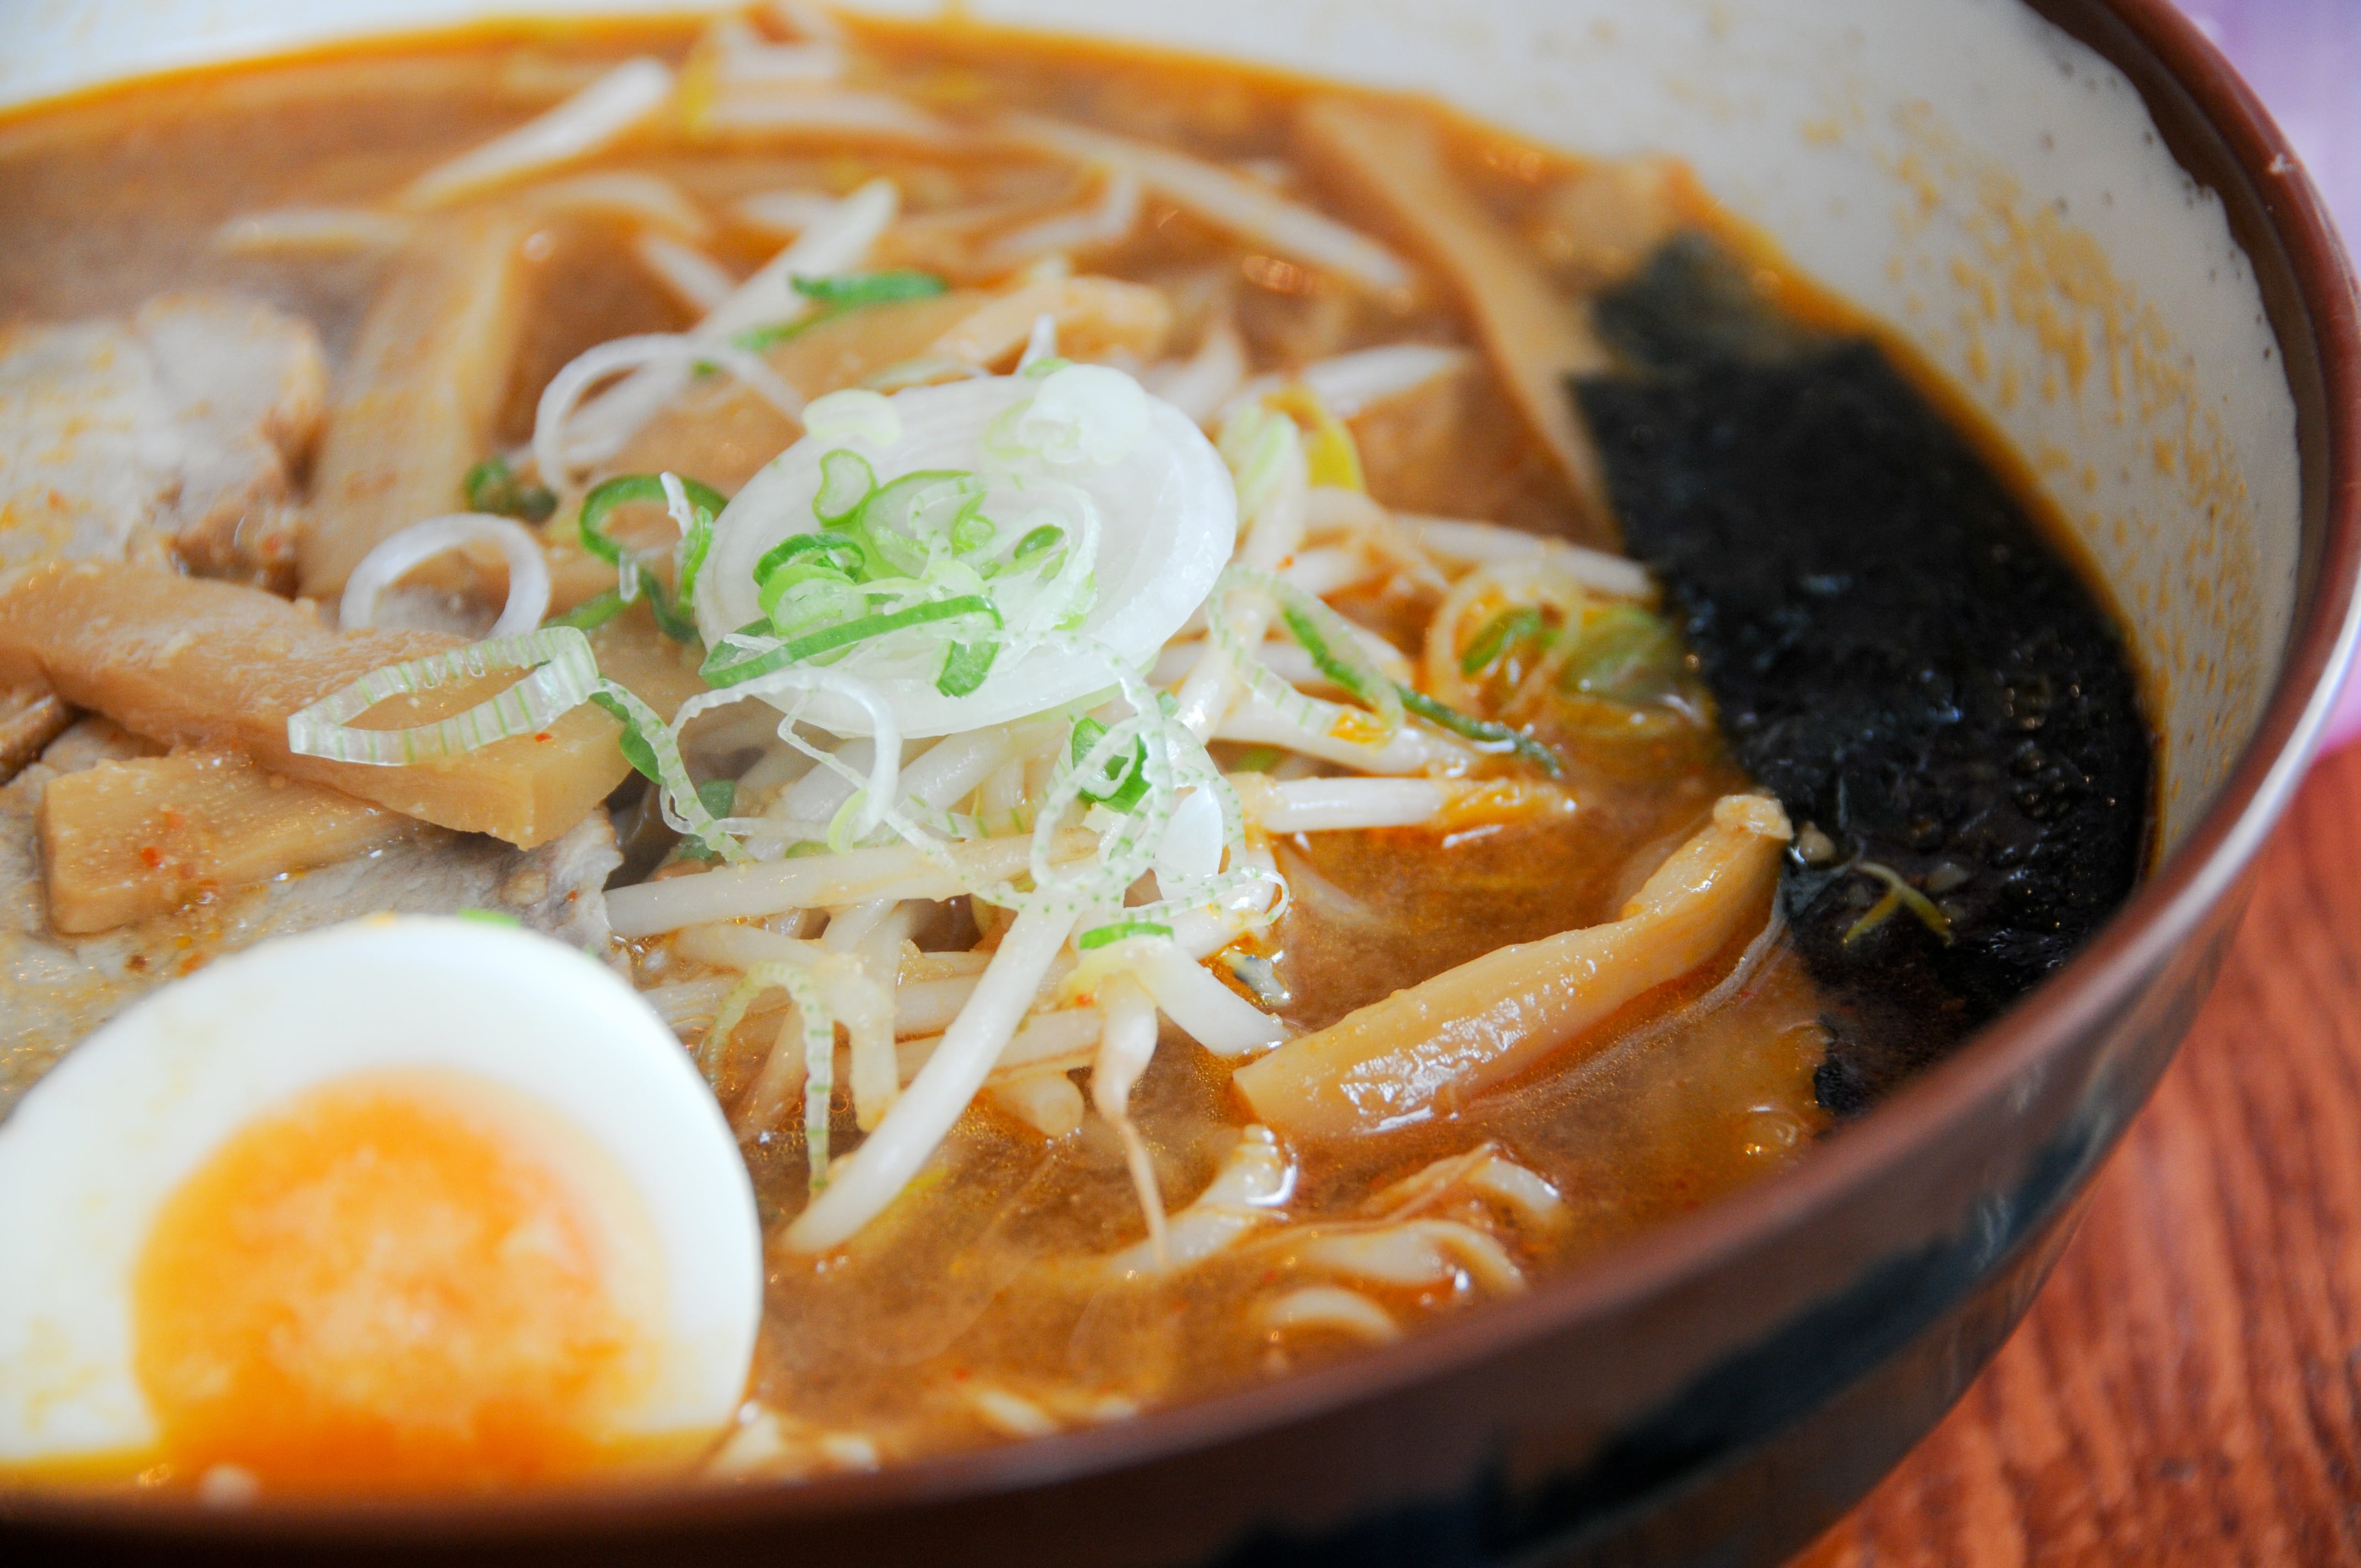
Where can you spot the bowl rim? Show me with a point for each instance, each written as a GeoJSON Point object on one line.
{"type": "Point", "coordinates": [2204, 872]}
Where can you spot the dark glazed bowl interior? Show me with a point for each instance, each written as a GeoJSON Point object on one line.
{"type": "Point", "coordinates": [1719, 1390]}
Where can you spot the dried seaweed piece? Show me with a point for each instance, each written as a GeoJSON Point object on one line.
{"type": "Point", "coordinates": [1897, 652]}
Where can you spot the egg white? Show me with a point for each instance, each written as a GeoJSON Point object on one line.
{"type": "Point", "coordinates": [98, 1146]}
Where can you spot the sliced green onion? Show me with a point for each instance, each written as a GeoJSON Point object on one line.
{"type": "Point", "coordinates": [720, 798]}
{"type": "Point", "coordinates": [1120, 782]}
{"type": "Point", "coordinates": [1334, 647]}
{"type": "Point", "coordinates": [971, 531]}
{"type": "Point", "coordinates": [844, 554]}
{"type": "Point", "coordinates": [965, 666]}
{"type": "Point", "coordinates": [490, 917]}
{"type": "Point", "coordinates": [769, 335]}
{"type": "Point", "coordinates": [836, 295]}
{"type": "Point", "coordinates": [800, 597]}
{"type": "Point", "coordinates": [634, 743]}
{"type": "Point", "coordinates": [861, 629]}
{"type": "Point", "coordinates": [846, 481]}
{"type": "Point", "coordinates": [1483, 732]}
{"type": "Point", "coordinates": [492, 486]}
{"type": "Point", "coordinates": [736, 658]}
{"type": "Point", "coordinates": [563, 673]}
{"type": "Point", "coordinates": [1103, 936]}
{"type": "Point", "coordinates": [851, 290]}
{"type": "Point", "coordinates": [893, 515]}
{"type": "Point", "coordinates": [1043, 538]}
{"type": "Point", "coordinates": [671, 620]}
{"type": "Point", "coordinates": [591, 613]}
{"type": "Point", "coordinates": [649, 746]}
{"type": "Point", "coordinates": [608, 494]}
{"type": "Point", "coordinates": [1338, 654]}
{"type": "Point", "coordinates": [736, 662]}
{"type": "Point", "coordinates": [1499, 634]}
{"type": "Point", "coordinates": [695, 545]}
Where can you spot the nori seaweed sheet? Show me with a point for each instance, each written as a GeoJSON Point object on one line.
{"type": "Point", "coordinates": [1895, 649]}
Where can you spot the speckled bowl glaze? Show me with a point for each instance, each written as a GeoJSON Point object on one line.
{"type": "Point", "coordinates": [2077, 212]}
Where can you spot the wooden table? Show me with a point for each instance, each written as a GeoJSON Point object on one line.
{"type": "Point", "coordinates": [2187, 1388]}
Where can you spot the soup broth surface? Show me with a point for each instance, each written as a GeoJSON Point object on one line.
{"type": "Point", "coordinates": [1011, 1288]}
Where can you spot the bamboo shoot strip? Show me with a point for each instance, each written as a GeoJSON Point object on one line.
{"type": "Point", "coordinates": [417, 402]}
{"type": "Point", "coordinates": [191, 662]}
{"type": "Point", "coordinates": [125, 840]}
{"type": "Point", "coordinates": [1536, 336]}
{"type": "Point", "coordinates": [1475, 1026]}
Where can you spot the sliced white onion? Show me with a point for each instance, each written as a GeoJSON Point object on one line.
{"type": "Point", "coordinates": [1171, 516]}
{"type": "Point", "coordinates": [588, 122]}
{"type": "Point", "coordinates": [399, 554]}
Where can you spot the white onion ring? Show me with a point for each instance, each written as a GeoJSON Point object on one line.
{"type": "Point", "coordinates": [397, 555]}
{"type": "Point", "coordinates": [551, 452]}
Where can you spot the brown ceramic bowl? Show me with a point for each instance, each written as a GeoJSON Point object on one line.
{"type": "Point", "coordinates": [1721, 1390]}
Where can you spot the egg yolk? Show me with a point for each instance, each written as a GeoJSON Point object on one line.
{"type": "Point", "coordinates": [383, 1289]}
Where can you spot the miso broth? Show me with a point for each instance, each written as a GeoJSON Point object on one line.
{"type": "Point", "coordinates": [1538, 625]}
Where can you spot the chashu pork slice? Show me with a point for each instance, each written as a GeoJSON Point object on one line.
{"type": "Point", "coordinates": [181, 427]}
{"type": "Point", "coordinates": [55, 990]}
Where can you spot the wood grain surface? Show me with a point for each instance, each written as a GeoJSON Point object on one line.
{"type": "Point", "coordinates": [2187, 1388]}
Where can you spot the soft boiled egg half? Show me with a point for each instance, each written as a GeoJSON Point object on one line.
{"type": "Point", "coordinates": [409, 1203]}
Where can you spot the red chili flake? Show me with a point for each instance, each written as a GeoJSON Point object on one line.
{"type": "Point", "coordinates": [544, 735]}
{"type": "Point", "coordinates": [151, 857]}
{"type": "Point", "coordinates": [173, 821]}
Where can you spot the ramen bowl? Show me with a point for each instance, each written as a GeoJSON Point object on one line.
{"type": "Point", "coordinates": [2076, 213]}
